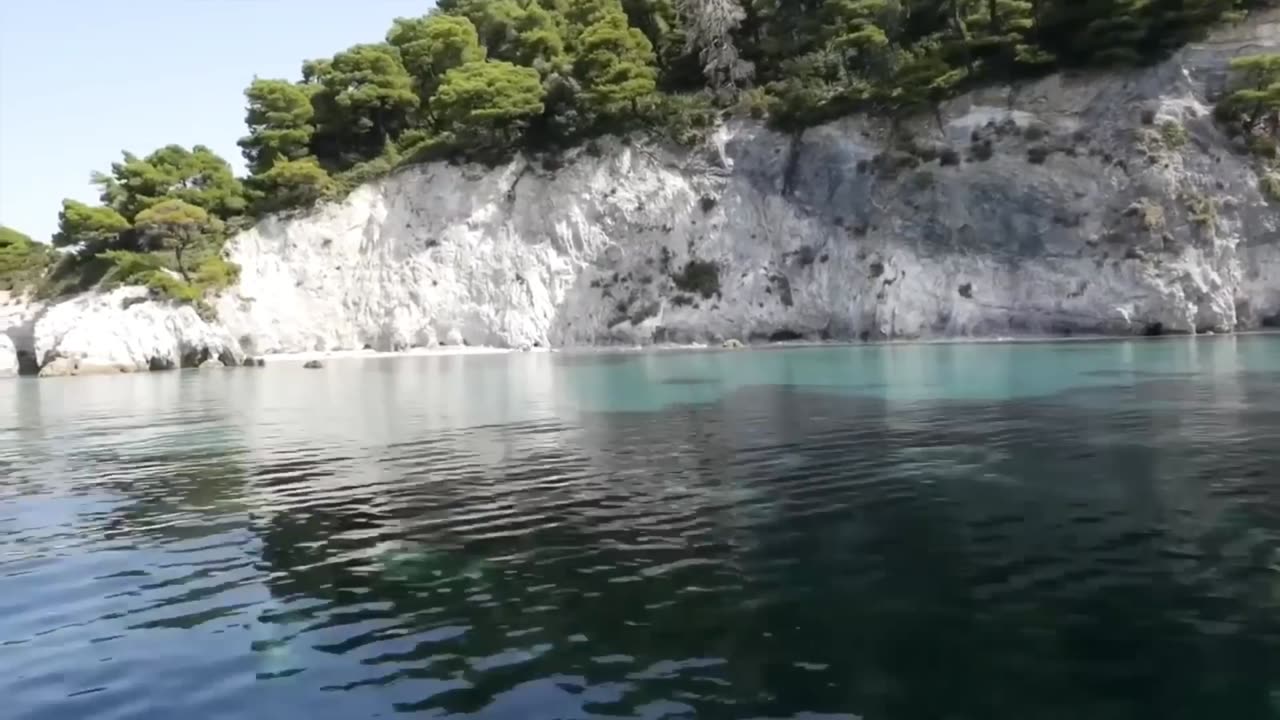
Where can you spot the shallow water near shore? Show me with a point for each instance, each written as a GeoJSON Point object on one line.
{"type": "Point", "coordinates": [1025, 530]}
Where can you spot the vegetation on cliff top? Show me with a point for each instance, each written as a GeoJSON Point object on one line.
{"type": "Point", "coordinates": [482, 78]}
{"type": "Point", "coordinates": [22, 260]}
{"type": "Point", "coordinates": [1250, 115]}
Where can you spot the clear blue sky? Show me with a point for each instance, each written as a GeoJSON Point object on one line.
{"type": "Point", "coordinates": [81, 80]}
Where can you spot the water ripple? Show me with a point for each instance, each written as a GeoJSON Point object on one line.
{"type": "Point", "coordinates": [246, 545]}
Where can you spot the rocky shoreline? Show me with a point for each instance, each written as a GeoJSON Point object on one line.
{"type": "Point", "coordinates": [195, 344]}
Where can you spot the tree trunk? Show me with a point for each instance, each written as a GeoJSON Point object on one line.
{"type": "Point", "coordinates": [178, 247]}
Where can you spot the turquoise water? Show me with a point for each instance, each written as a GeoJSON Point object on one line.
{"type": "Point", "coordinates": [1085, 529]}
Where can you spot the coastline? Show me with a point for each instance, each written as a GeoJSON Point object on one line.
{"type": "Point", "coordinates": [325, 355]}
{"type": "Point", "coordinates": [298, 359]}
{"type": "Point", "coordinates": [460, 350]}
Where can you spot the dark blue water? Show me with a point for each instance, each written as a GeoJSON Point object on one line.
{"type": "Point", "coordinates": [1081, 530]}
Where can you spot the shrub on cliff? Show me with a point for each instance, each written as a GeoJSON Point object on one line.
{"type": "Point", "coordinates": [699, 276]}
{"type": "Point", "coordinates": [290, 184]}
{"type": "Point", "coordinates": [153, 271]}
{"type": "Point", "coordinates": [22, 260]}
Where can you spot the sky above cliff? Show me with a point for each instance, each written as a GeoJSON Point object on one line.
{"type": "Point", "coordinates": [82, 80]}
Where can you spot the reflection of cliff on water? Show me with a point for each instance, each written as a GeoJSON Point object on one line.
{"type": "Point", "coordinates": [912, 553]}
{"type": "Point", "coordinates": [172, 470]}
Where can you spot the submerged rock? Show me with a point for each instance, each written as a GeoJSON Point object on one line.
{"type": "Point", "coordinates": [313, 365]}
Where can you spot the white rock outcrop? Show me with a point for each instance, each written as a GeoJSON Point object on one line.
{"type": "Point", "coordinates": [8, 357]}
{"type": "Point", "coordinates": [125, 331]}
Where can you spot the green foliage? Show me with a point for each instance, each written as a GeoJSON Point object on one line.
{"type": "Point", "coordinates": [290, 184]}
{"type": "Point", "coordinates": [616, 66]}
{"type": "Point", "coordinates": [281, 123]}
{"type": "Point", "coordinates": [197, 176]}
{"type": "Point", "coordinates": [685, 119]}
{"type": "Point", "coordinates": [10, 238]}
{"type": "Point", "coordinates": [125, 267]}
{"type": "Point", "coordinates": [171, 288]}
{"type": "Point", "coordinates": [432, 46]}
{"type": "Point", "coordinates": [22, 260]}
{"type": "Point", "coordinates": [216, 273]}
{"type": "Point", "coordinates": [1269, 185]}
{"type": "Point", "coordinates": [70, 273]}
{"type": "Point", "coordinates": [855, 33]}
{"type": "Point", "coordinates": [1267, 148]}
{"type": "Point", "coordinates": [367, 171]}
{"type": "Point", "coordinates": [364, 98]}
{"type": "Point", "coordinates": [129, 268]}
{"type": "Point", "coordinates": [1173, 134]}
{"type": "Point", "coordinates": [1253, 108]}
{"type": "Point", "coordinates": [172, 215]}
{"type": "Point", "coordinates": [89, 228]}
{"type": "Point", "coordinates": [1202, 208]}
{"type": "Point", "coordinates": [538, 41]}
{"type": "Point", "coordinates": [487, 103]}
{"type": "Point", "coordinates": [170, 209]}
{"type": "Point", "coordinates": [180, 227]}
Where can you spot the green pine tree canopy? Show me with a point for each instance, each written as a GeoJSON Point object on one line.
{"type": "Point", "coordinates": [483, 78]}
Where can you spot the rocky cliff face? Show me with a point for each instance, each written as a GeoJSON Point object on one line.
{"type": "Point", "coordinates": [118, 331]}
{"type": "Point", "coordinates": [1100, 203]}
{"type": "Point", "coordinates": [1108, 204]}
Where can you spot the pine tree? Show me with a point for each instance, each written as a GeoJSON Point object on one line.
{"type": "Point", "coordinates": [364, 98]}
{"type": "Point", "coordinates": [1256, 102]}
{"type": "Point", "coordinates": [858, 32]}
{"type": "Point", "coordinates": [197, 176]}
{"type": "Point", "coordinates": [432, 46]}
{"type": "Point", "coordinates": [280, 120]}
{"type": "Point", "coordinates": [616, 67]}
{"type": "Point", "coordinates": [487, 103]}
{"type": "Point", "coordinates": [179, 227]}
{"type": "Point", "coordinates": [90, 228]}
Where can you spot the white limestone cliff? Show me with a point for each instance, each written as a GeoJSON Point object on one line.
{"type": "Point", "coordinates": [118, 331]}
{"type": "Point", "coordinates": [1101, 203]}
{"type": "Point", "coordinates": [8, 357]}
